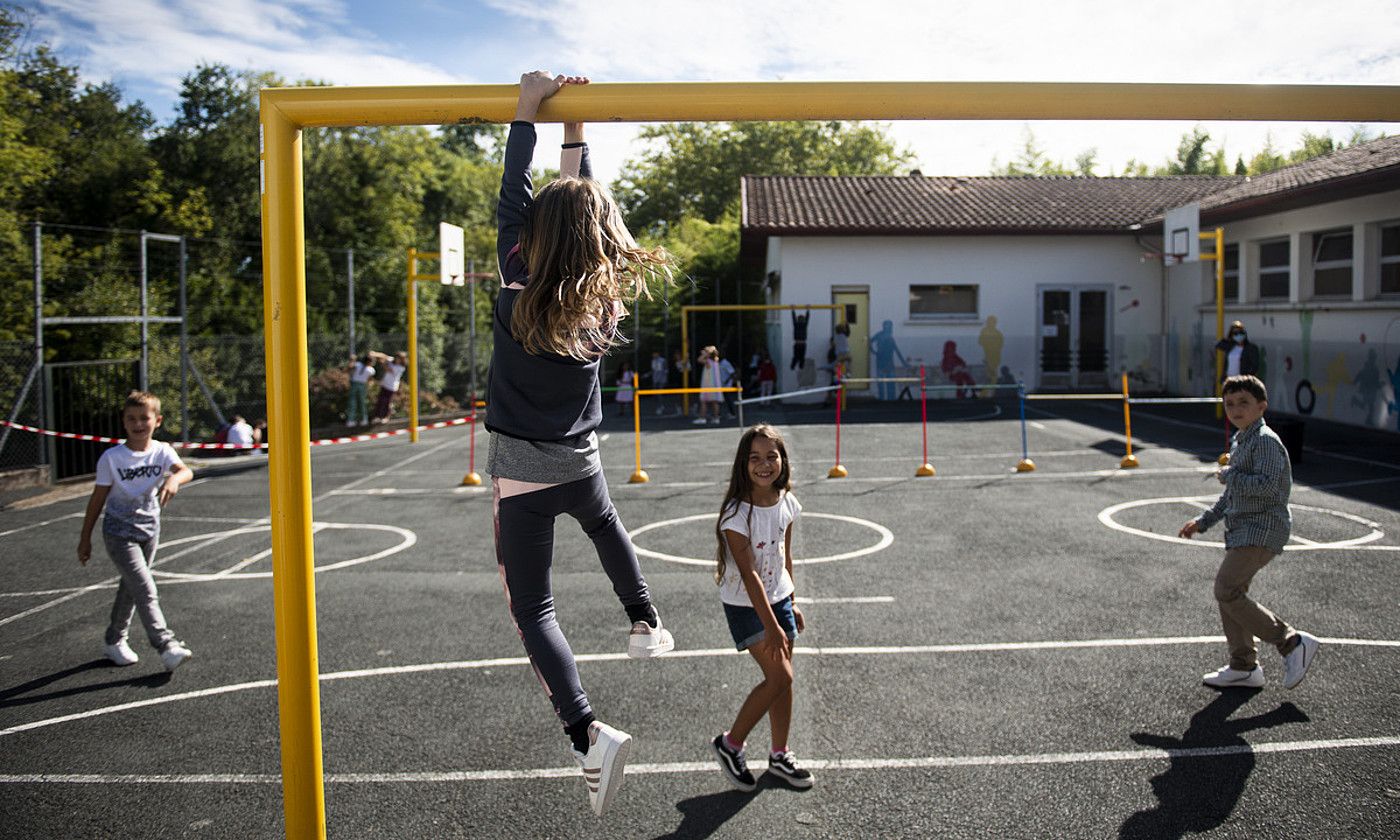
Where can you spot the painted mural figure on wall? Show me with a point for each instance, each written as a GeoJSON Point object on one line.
{"type": "Point", "coordinates": [992, 341]}
{"type": "Point", "coordinates": [882, 344]}
{"type": "Point", "coordinates": [1394, 404]}
{"type": "Point", "coordinates": [799, 339]}
{"type": "Point", "coordinates": [955, 369]}
{"type": "Point", "coordinates": [1337, 375]}
{"type": "Point", "coordinates": [1368, 384]}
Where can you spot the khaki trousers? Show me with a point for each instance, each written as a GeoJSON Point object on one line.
{"type": "Point", "coordinates": [1242, 618]}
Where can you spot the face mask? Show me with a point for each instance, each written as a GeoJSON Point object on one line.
{"type": "Point", "coordinates": [1239, 338]}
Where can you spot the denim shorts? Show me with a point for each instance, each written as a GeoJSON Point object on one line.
{"type": "Point", "coordinates": [747, 628]}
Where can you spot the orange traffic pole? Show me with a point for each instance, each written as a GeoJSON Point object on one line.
{"type": "Point", "coordinates": [838, 471]}
{"type": "Point", "coordinates": [925, 469]}
{"type": "Point", "coordinates": [639, 475]}
{"type": "Point", "coordinates": [1129, 460]}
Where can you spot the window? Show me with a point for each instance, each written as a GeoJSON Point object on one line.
{"type": "Point", "coordinates": [1232, 275]}
{"type": "Point", "coordinates": [938, 302]}
{"type": "Point", "coordinates": [1273, 269]}
{"type": "Point", "coordinates": [1332, 263]}
{"type": "Point", "coordinates": [1390, 260]}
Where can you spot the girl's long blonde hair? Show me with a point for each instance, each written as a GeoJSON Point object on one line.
{"type": "Point", "coordinates": [741, 488]}
{"type": "Point", "coordinates": [582, 261]}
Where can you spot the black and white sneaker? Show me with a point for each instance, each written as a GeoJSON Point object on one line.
{"type": "Point", "coordinates": [735, 768]}
{"type": "Point", "coordinates": [784, 766]}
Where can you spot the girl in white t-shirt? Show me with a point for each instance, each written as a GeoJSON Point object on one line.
{"type": "Point", "coordinates": [754, 572]}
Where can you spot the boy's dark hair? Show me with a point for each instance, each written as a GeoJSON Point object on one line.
{"type": "Point", "coordinates": [1247, 383]}
{"type": "Point", "coordinates": [142, 399]}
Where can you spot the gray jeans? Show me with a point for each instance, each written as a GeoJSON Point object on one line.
{"type": "Point", "coordinates": [137, 591]}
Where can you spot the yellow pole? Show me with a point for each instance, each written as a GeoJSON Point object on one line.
{"type": "Point", "coordinates": [1129, 460]}
{"type": "Point", "coordinates": [685, 363]}
{"type": "Point", "coordinates": [412, 345]}
{"type": "Point", "coordinates": [289, 475]}
{"type": "Point", "coordinates": [639, 476]}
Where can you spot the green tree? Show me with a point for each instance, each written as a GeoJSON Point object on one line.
{"type": "Point", "coordinates": [1032, 160]}
{"type": "Point", "coordinates": [694, 169]}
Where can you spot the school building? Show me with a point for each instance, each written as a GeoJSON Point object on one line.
{"type": "Point", "coordinates": [1061, 283]}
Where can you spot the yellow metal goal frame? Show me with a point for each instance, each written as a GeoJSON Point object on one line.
{"type": "Point", "coordinates": [285, 112]}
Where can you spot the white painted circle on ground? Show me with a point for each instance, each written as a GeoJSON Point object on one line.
{"type": "Point", "coordinates": [886, 539]}
{"type": "Point", "coordinates": [1106, 516]}
{"type": "Point", "coordinates": [407, 539]}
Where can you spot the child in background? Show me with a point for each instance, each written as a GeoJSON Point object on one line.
{"type": "Point", "coordinates": [357, 403]}
{"type": "Point", "coordinates": [710, 401]}
{"type": "Point", "coordinates": [624, 393]}
{"type": "Point", "coordinates": [567, 264]}
{"type": "Point", "coordinates": [1257, 523]}
{"type": "Point", "coordinates": [767, 376]}
{"type": "Point", "coordinates": [659, 379]}
{"type": "Point", "coordinates": [754, 572]}
{"type": "Point", "coordinates": [135, 479]}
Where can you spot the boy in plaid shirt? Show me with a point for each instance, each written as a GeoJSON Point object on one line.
{"type": "Point", "coordinates": [1255, 509]}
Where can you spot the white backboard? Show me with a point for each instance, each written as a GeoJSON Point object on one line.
{"type": "Point", "coordinates": [1181, 234]}
{"type": "Point", "coordinates": [452, 264]}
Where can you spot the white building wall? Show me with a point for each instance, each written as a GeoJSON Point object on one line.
{"type": "Point", "coordinates": [1331, 357]}
{"type": "Point", "coordinates": [1007, 270]}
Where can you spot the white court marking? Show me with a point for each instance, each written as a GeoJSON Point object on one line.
{"type": "Point", "coordinates": [475, 664]}
{"type": "Point", "coordinates": [1106, 516]}
{"type": "Point", "coordinates": [885, 540]}
{"type": "Point", "coordinates": [677, 767]}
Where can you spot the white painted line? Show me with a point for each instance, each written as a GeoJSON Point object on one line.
{"type": "Point", "coordinates": [868, 599]}
{"type": "Point", "coordinates": [1036, 424]}
{"type": "Point", "coordinates": [678, 767]}
{"type": "Point", "coordinates": [1356, 543]}
{"type": "Point", "coordinates": [76, 515]}
{"type": "Point", "coordinates": [886, 539]}
{"type": "Point", "coordinates": [396, 670]}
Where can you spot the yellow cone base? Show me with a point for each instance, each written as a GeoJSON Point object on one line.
{"type": "Point", "coordinates": [639, 477]}
{"type": "Point", "coordinates": [471, 479]}
{"type": "Point", "coordinates": [837, 471]}
{"type": "Point", "coordinates": [1224, 459]}
{"type": "Point", "coordinates": [1025, 465]}
{"type": "Point", "coordinates": [1129, 462]}
{"type": "Point", "coordinates": [924, 470]}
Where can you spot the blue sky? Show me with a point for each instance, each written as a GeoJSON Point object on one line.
{"type": "Point", "coordinates": [145, 46]}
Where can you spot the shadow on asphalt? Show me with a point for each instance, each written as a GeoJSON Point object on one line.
{"type": "Point", "coordinates": [702, 816]}
{"type": "Point", "coordinates": [11, 697]}
{"type": "Point", "coordinates": [1198, 793]}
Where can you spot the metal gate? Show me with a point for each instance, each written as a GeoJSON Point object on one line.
{"type": "Point", "coordinates": [85, 397]}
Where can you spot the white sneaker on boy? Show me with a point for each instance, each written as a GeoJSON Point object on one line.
{"type": "Point", "coordinates": [1295, 664]}
{"type": "Point", "coordinates": [646, 641]}
{"type": "Point", "coordinates": [603, 764]}
{"type": "Point", "coordinates": [121, 654]}
{"type": "Point", "coordinates": [1228, 677]}
{"type": "Point", "coordinates": [175, 655]}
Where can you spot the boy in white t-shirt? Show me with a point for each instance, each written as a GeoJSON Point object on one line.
{"type": "Point", "coordinates": [389, 380]}
{"type": "Point", "coordinates": [134, 480]}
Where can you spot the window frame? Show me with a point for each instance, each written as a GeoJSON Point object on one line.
{"type": "Point", "coordinates": [1283, 268]}
{"type": "Point", "coordinates": [930, 317]}
{"type": "Point", "coordinates": [1384, 260]}
{"type": "Point", "coordinates": [1319, 239]}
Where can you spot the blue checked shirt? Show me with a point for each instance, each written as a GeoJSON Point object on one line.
{"type": "Point", "coordinates": [1257, 483]}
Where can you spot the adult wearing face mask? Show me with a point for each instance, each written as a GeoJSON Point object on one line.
{"type": "Point", "coordinates": [1241, 357]}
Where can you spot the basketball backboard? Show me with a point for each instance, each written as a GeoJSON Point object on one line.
{"type": "Point", "coordinates": [451, 261]}
{"type": "Point", "coordinates": [1181, 240]}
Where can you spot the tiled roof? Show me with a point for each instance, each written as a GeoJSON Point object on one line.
{"type": "Point", "coordinates": [1375, 160]}
{"type": "Point", "coordinates": [875, 204]}
{"type": "Point", "coordinates": [892, 205]}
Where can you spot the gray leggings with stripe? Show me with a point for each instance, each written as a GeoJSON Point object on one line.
{"type": "Point", "coordinates": [524, 527]}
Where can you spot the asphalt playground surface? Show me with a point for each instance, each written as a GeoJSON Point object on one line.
{"type": "Point", "coordinates": [988, 654]}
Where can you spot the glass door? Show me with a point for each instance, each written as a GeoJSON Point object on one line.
{"type": "Point", "coordinates": [1074, 351]}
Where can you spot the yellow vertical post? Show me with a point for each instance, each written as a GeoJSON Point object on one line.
{"type": "Point", "coordinates": [289, 474]}
{"type": "Point", "coordinates": [1129, 460]}
{"type": "Point", "coordinates": [639, 476]}
{"type": "Point", "coordinates": [1219, 312]}
{"type": "Point", "coordinates": [685, 362]}
{"type": "Point", "coordinates": [412, 345]}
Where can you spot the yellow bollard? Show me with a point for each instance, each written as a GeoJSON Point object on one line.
{"type": "Point", "coordinates": [639, 476]}
{"type": "Point", "coordinates": [1130, 460]}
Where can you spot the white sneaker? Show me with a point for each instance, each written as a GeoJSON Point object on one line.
{"type": "Point", "coordinates": [604, 763]}
{"type": "Point", "coordinates": [175, 655]}
{"type": "Point", "coordinates": [699, 421]}
{"type": "Point", "coordinates": [714, 421]}
{"type": "Point", "coordinates": [121, 654]}
{"type": "Point", "coordinates": [1295, 664]}
{"type": "Point", "coordinates": [645, 641]}
{"type": "Point", "coordinates": [1228, 677]}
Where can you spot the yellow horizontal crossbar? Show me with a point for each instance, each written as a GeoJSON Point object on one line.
{"type": "Point", "coordinates": [687, 391]}
{"type": "Point", "coordinates": [699, 101]}
{"type": "Point", "coordinates": [753, 307]}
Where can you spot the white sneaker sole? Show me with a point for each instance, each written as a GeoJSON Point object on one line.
{"type": "Point", "coordinates": [1309, 646]}
{"type": "Point", "coordinates": [610, 774]}
{"type": "Point", "coordinates": [647, 651]}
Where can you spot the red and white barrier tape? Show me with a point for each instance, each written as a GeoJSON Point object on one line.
{"type": "Point", "coordinates": [322, 442]}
